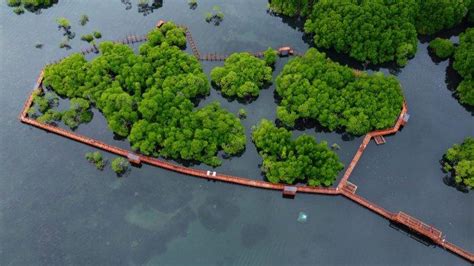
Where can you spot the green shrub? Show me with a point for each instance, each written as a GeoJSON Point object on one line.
{"type": "Point", "coordinates": [87, 37]}
{"type": "Point", "coordinates": [97, 159]}
{"type": "Point", "coordinates": [290, 161]}
{"type": "Point", "coordinates": [242, 76]}
{"type": "Point", "coordinates": [242, 113]}
{"type": "Point", "coordinates": [443, 48]}
{"type": "Point", "coordinates": [120, 165]}
{"type": "Point", "coordinates": [84, 19]}
{"type": "Point", "coordinates": [63, 22]}
{"type": "Point", "coordinates": [270, 56]}
{"type": "Point", "coordinates": [97, 34]}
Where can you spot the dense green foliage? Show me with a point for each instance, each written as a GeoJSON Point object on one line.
{"type": "Point", "coordinates": [372, 31]}
{"type": "Point", "coordinates": [31, 5]}
{"type": "Point", "coordinates": [435, 15]}
{"type": "Point", "coordinates": [120, 165]}
{"type": "Point", "coordinates": [63, 22]}
{"type": "Point", "coordinates": [313, 87]}
{"type": "Point", "coordinates": [443, 48]}
{"type": "Point", "coordinates": [464, 64]}
{"type": "Point", "coordinates": [97, 159]}
{"type": "Point", "coordinates": [292, 7]}
{"type": "Point", "coordinates": [459, 160]}
{"type": "Point", "coordinates": [97, 34]}
{"type": "Point", "coordinates": [147, 97]}
{"type": "Point", "coordinates": [270, 56]}
{"type": "Point", "coordinates": [87, 37]}
{"type": "Point", "coordinates": [169, 33]}
{"type": "Point", "coordinates": [242, 76]}
{"type": "Point", "coordinates": [301, 160]}
{"type": "Point", "coordinates": [242, 113]}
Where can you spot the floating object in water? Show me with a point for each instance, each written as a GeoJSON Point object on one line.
{"type": "Point", "coordinates": [302, 217]}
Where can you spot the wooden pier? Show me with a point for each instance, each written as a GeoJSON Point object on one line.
{"type": "Point", "coordinates": [344, 187]}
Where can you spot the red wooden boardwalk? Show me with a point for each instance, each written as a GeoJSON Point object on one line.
{"type": "Point", "coordinates": [344, 187]}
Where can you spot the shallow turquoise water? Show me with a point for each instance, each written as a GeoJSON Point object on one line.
{"type": "Point", "coordinates": [56, 209]}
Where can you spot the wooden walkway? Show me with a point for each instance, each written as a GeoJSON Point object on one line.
{"type": "Point", "coordinates": [344, 187]}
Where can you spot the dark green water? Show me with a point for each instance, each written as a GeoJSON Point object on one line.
{"type": "Point", "coordinates": [57, 209]}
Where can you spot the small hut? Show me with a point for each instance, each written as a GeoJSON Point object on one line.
{"type": "Point", "coordinates": [160, 23]}
{"type": "Point", "coordinates": [285, 51]}
{"type": "Point", "coordinates": [405, 119]}
{"type": "Point", "coordinates": [133, 158]}
{"type": "Point", "coordinates": [289, 191]}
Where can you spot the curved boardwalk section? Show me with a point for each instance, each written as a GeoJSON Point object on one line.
{"type": "Point", "coordinates": [344, 187]}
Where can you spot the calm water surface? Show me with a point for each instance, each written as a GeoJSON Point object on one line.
{"type": "Point", "coordinates": [57, 209]}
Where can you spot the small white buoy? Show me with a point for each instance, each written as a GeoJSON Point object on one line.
{"type": "Point", "coordinates": [302, 217]}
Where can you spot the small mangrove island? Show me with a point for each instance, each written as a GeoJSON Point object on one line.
{"type": "Point", "coordinates": [243, 75]}
{"type": "Point", "coordinates": [291, 161]}
{"type": "Point", "coordinates": [336, 96]}
{"type": "Point", "coordinates": [149, 98]}
{"type": "Point", "coordinates": [459, 162]}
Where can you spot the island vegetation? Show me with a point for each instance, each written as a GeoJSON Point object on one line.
{"type": "Point", "coordinates": [84, 19]}
{"type": "Point", "coordinates": [97, 159]}
{"type": "Point", "coordinates": [120, 165]}
{"type": "Point", "coordinates": [149, 97]}
{"type": "Point", "coordinates": [216, 16]}
{"type": "Point", "coordinates": [374, 31]}
{"type": "Point", "coordinates": [443, 48]}
{"type": "Point", "coordinates": [312, 87]}
{"type": "Point", "coordinates": [459, 161]}
{"type": "Point", "coordinates": [242, 76]}
{"type": "Point", "coordinates": [464, 65]}
{"type": "Point", "coordinates": [19, 6]}
{"type": "Point", "coordinates": [288, 161]}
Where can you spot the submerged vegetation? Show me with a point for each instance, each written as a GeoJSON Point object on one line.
{"type": "Point", "coordinates": [242, 76]}
{"type": "Point", "coordinates": [464, 65]}
{"type": "Point", "coordinates": [459, 161]}
{"type": "Point", "coordinates": [374, 31]}
{"type": "Point", "coordinates": [291, 161]}
{"type": "Point", "coordinates": [84, 19]}
{"type": "Point", "coordinates": [314, 87]}
{"type": "Point", "coordinates": [216, 16]}
{"type": "Point", "coordinates": [148, 97]}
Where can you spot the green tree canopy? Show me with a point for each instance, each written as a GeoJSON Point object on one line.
{"type": "Point", "coordinates": [313, 87]}
{"type": "Point", "coordinates": [148, 97]}
{"type": "Point", "coordinates": [443, 48]}
{"type": "Point", "coordinates": [242, 76]}
{"type": "Point", "coordinates": [464, 65]}
{"type": "Point", "coordinates": [369, 31]}
{"type": "Point", "coordinates": [435, 15]}
{"type": "Point", "coordinates": [459, 160]}
{"type": "Point", "coordinates": [301, 160]}
{"type": "Point", "coordinates": [374, 31]}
